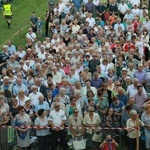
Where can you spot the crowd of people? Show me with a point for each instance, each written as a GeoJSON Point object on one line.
{"type": "Point", "coordinates": [91, 72]}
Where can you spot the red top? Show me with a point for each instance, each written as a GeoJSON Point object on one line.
{"type": "Point", "coordinates": [106, 147]}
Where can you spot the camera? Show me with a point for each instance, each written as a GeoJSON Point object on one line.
{"type": "Point", "coordinates": [109, 140]}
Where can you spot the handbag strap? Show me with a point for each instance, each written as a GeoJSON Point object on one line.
{"type": "Point", "coordinates": [109, 146]}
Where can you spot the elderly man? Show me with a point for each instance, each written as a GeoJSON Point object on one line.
{"type": "Point", "coordinates": [41, 88]}
{"type": "Point", "coordinates": [57, 77]}
{"type": "Point", "coordinates": [140, 74]}
{"type": "Point", "coordinates": [131, 102]}
{"type": "Point", "coordinates": [4, 56]}
{"type": "Point", "coordinates": [96, 81]}
{"type": "Point", "coordinates": [121, 96]}
{"type": "Point", "coordinates": [57, 120]}
{"type": "Point", "coordinates": [34, 95]}
{"type": "Point", "coordinates": [132, 89]}
{"type": "Point", "coordinates": [123, 7]}
{"type": "Point", "coordinates": [11, 47]}
{"type": "Point", "coordinates": [12, 61]}
{"type": "Point", "coordinates": [93, 63]}
{"type": "Point", "coordinates": [42, 105]}
{"type": "Point", "coordinates": [19, 86]}
{"type": "Point", "coordinates": [140, 97]}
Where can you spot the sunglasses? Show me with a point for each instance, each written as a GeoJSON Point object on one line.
{"type": "Point", "coordinates": [76, 112]}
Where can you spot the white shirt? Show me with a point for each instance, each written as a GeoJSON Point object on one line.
{"type": "Point", "coordinates": [84, 91]}
{"type": "Point", "coordinates": [57, 117]}
{"type": "Point", "coordinates": [131, 90]}
{"type": "Point", "coordinates": [57, 77]}
{"type": "Point", "coordinates": [136, 12]}
{"type": "Point", "coordinates": [31, 36]}
{"type": "Point", "coordinates": [135, 2]}
{"type": "Point", "coordinates": [21, 54]}
{"type": "Point", "coordinates": [91, 21]}
{"type": "Point", "coordinates": [61, 7]}
{"type": "Point", "coordinates": [75, 29]}
{"type": "Point", "coordinates": [20, 102]}
{"type": "Point", "coordinates": [139, 45]}
{"type": "Point", "coordinates": [96, 2]}
{"type": "Point", "coordinates": [123, 8]}
{"type": "Point", "coordinates": [34, 98]}
{"type": "Point", "coordinates": [118, 25]}
{"type": "Point", "coordinates": [42, 55]}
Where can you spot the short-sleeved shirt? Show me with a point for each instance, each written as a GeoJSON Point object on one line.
{"type": "Point", "coordinates": [39, 122]}
{"type": "Point", "coordinates": [57, 117]}
{"type": "Point", "coordinates": [95, 120]}
{"type": "Point", "coordinates": [117, 108]}
{"type": "Point", "coordinates": [44, 106]}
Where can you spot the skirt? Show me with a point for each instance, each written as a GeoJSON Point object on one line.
{"type": "Point", "coordinates": [23, 142]}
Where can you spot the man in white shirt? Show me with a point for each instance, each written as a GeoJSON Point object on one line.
{"type": "Point", "coordinates": [75, 58]}
{"type": "Point", "coordinates": [57, 77]}
{"type": "Point", "coordinates": [57, 120]}
{"type": "Point", "coordinates": [132, 89]}
{"type": "Point", "coordinates": [123, 7]}
{"type": "Point", "coordinates": [96, 2]}
{"type": "Point", "coordinates": [61, 6]}
{"type": "Point", "coordinates": [136, 11]}
{"type": "Point", "coordinates": [118, 24]}
{"type": "Point", "coordinates": [91, 20]}
{"type": "Point", "coordinates": [135, 2]}
{"type": "Point", "coordinates": [31, 35]}
{"type": "Point", "coordinates": [34, 96]}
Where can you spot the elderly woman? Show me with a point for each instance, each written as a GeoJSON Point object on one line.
{"type": "Point", "coordinates": [76, 123]}
{"type": "Point", "coordinates": [132, 128]}
{"type": "Point", "coordinates": [146, 119]}
{"type": "Point", "coordinates": [21, 98]}
{"type": "Point", "coordinates": [91, 120]}
{"type": "Point", "coordinates": [22, 121]}
{"type": "Point", "coordinates": [63, 98]}
{"type": "Point", "coordinates": [42, 134]}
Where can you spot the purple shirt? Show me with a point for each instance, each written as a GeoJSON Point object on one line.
{"type": "Point", "coordinates": [97, 83]}
{"type": "Point", "coordinates": [140, 75]}
{"type": "Point", "coordinates": [90, 6]}
{"type": "Point", "coordinates": [140, 99]}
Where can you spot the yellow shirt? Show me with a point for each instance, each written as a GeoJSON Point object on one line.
{"type": "Point", "coordinates": [7, 10]}
{"type": "Point", "coordinates": [95, 120]}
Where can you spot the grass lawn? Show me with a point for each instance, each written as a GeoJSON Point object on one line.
{"type": "Point", "coordinates": [22, 11]}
